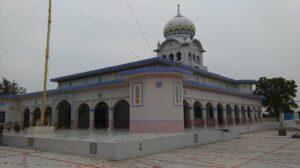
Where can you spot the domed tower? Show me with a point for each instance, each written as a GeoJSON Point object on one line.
{"type": "Point", "coordinates": [180, 45]}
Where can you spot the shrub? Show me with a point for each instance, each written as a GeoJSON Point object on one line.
{"type": "Point", "coordinates": [1, 128]}
{"type": "Point", "coordinates": [17, 127]}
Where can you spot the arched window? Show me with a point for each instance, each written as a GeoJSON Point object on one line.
{"type": "Point", "coordinates": [171, 57]}
{"type": "Point", "coordinates": [178, 56]}
{"type": "Point", "coordinates": [194, 57]}
{"type": "Point", "coordinates": [164, 56]}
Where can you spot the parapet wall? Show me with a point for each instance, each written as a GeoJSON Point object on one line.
{"type": "Point", "coordinates": [115, 150]}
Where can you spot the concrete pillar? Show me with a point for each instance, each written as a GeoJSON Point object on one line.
{"type": "Point", "coordinates": [74, 117]}
{"type": "Point", "coordinates": [216, 117]}
{"type": "Point", "coordinates": [255, 116]}
{"type": "Point", "coordinates": [247, 118]}
{"type": "Point", "coordinates": [111, 119]}
{"type": "Point", "coordinates": [260, 116]}
{"type": "Point", "coordinates": [224, 118]}
{"type": "Point", "coordinates": [240, 117]}
{"type": "Point", "coordinates": [252, 117]}
{"type": "Point", "coordinates": [92, 119]}
{"type": "Point", "coordinates": [31, 119]}
{"type": "Point", "coordinates": [204, 118]}
{"type": "Point", "coordinates": [232, 117]}
{"type": "Point", "coordinates": [191, 117]}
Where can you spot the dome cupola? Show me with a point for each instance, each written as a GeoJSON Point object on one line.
{"type": "Point", "coordinates": [179, 25]}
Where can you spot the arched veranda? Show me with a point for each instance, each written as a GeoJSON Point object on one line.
{"type": "Point", "coordinates": [198, 118]}
{"type": "Point", "coordinates": [83, 116]}
{"type": "Point", "coordinates": [36, 116]}
{"type": "Point", "coordinates": [26, 118]}
{"type": "Point", "coordinates": [63, 114]}
{"type": "Point", "coordinates": [186, 114]}
{"type": "Point", "coordinates": [121, 115]}
{"type": "Point", "coordinates": [101, 116]}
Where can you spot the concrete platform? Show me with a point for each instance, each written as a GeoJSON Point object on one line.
{"type": "Point", "coordinates": [118, 145]}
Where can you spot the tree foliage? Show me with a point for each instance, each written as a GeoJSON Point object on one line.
{"type": "Point", "coordinates": [10, 88]}
{"type": "Point", "coordinates": [279, 94]}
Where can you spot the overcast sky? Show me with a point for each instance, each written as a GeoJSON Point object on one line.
{"type": "Point", "coordinates": [243, 39]}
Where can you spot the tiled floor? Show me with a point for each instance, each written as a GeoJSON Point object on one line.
{"type": "Point", "coordinates": [260, 149]}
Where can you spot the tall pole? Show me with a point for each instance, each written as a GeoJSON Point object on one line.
{"type": "Point", "coordinates": [44, 95]}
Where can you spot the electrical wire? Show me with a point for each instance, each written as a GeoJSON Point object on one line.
{"type": "Point", "coordinates": [8, 16]}
{"type": "Point", "coordinates": [124, 25]}
{"type": "Point", "coordinates": [138, 25]}
{"type": "Point", "coordinates": [99, 26]}
{"type": "Point", "coordinates": [20, 31]}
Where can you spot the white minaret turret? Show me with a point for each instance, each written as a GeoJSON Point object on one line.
{"type": "Point", "coordinates": [180, 45]}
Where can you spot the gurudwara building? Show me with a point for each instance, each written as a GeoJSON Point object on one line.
{"type": "Point", "coordinates": [169, 93]}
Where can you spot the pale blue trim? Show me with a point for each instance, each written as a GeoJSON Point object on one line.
{"type": "Point", "coordinates": [221, 90]}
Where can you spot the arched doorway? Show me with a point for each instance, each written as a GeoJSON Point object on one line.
{"type": "Point", "coordinates": [101, 115]}
{"type": "Point", "coordinates": [186, 114]}
{"type": "Point", "coordinates": [121, 115]}
{"type": "Point", "coordinates": [83, 116]}
{"type": "Point", "coordinates": [36, 116]}
{"type": "Point", "coordinates": [236, 114]}
{"type": "Point", "coordinates": [249, 114]}
{"type": "Point", "coordinates": [26, 117]}
{"type": "Point", "coordinates": [229, 115]}
{"type": "Point", "coordinates": [210, 114]}
{"type": "Point", "coordinates": [48, 116]}
{"type": "Point", "coordinates": [64, 115]}
{"type": "Point", "coordinates": [198, 118]}
{"type": "Point", "coordinates": [220, 115]}
{"type": "Point", "coordinates": [243, 111]}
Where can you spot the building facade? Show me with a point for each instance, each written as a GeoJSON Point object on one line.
{"type": "Point", "coordinates": [169, 93]}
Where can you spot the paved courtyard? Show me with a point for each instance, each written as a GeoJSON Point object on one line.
{"type": "Point", "coordinates": [259, 149]}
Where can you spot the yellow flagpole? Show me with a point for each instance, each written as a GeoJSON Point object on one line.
{"type": "Point", "coordinates": [44, 95]}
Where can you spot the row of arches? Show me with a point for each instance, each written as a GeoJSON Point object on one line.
{"type": "Point", "coordinates": [36, 116]}
{"type": "Point", "coordinates": [173, 57]}
{"type": "Point", "coordinates": [206, 116]}
{"type": "Point", "coordinates": [178, 57]}
{"type": "Point", "coordinates": [121, 116]}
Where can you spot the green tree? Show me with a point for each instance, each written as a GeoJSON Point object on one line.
{"type": "Point", "coordinates": [10, 88]}
{"type": "Point", "coordinates": [279, 94]}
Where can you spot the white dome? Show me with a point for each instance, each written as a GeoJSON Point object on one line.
{"type": "Point", "coordinates": [179, 25]}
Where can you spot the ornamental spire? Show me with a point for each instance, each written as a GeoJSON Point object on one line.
{"type": "Point", "coordinates": [178, 10]}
